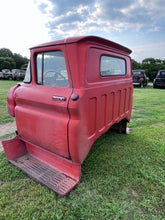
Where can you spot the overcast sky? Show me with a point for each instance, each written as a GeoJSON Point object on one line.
{"type": "Point", "coordinates": [136, 24]}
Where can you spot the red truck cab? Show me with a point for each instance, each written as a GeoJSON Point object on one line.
{"type": "Point", "coordinates": [74, 91]}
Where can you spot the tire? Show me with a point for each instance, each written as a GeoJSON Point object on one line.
{"type": "Point", "coordinates": [141, 85]}
{"type": "Point", "coordinates": [120, 127]}
{"type": "Point", "coordinates": [10, 78]}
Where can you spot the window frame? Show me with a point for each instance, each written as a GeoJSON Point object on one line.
{"type": "Point", "coordinates": [42, 68]}
{"type": "Point", "coordinates": [113, 75]}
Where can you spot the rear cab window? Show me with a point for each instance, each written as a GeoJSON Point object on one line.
{"type": "Point", "coordinates": [136, 72]}
{"type": "Point", "coordinates": [112, 66]}
{"type": "Point", "coordinates": [107, 66]}
{"type": "Point", "coordinates": [161, 74]}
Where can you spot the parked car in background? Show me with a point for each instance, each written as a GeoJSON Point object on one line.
{"type": "Point", "coordinates": [139, 78]}
{"type": "Point", "coordinates": [7, 74]}
{"type": "Point", "coordinates": [159, 81]}
{"type": "Point", "coordinates": [18, 74]}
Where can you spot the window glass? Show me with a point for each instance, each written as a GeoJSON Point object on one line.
{"type": "Point", "coordinates": [136, 72]}
{"type": "Point", "coordinates": [162, 74]}
{"type": "Point", "coordinates": [51, 69]}
{"type": "Point", "coordinates": [39, 68]}
{"type": "Point", "coordinates": [112, 66]}
{"type": "Point", "coordinates": [27, 78]}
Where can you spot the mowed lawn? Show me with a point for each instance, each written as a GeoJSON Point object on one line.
{"type": "Point", "coordinates": [5, 85]}
{"type": "Point", "coordinates": [123, 176]}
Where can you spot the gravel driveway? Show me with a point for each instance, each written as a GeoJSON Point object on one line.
{"type": "Point", "coordinates": [7, 128]}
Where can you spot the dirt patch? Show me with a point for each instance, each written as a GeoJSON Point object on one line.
{"type": "Point", "coordinates": [158, 124]}
{"type": "Point", "coordinates": [7, 128]}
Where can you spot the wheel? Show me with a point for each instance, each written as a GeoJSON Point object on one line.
{"type": "Point", "coordinates": [120, 127]}
{"type": "Point", "coordinates": [10, 78]}
{"type": "Point", "coordinates": [141, 85]}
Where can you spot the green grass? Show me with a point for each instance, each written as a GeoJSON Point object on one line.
{"type": "Point", "coordinates": [123, 176]}
{"type": "Point", "coordinates": [5, 85]}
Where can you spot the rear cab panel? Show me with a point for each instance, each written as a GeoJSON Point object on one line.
{"type": "Point", "coordinates": [103, 101]}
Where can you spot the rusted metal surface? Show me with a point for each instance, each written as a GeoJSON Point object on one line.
{"type": "Point", "coordinates": [44, 174]}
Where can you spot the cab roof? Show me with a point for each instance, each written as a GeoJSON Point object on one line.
{"type": "Point", "coordinates": [86, 39]}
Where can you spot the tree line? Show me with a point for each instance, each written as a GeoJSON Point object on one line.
{"type": "Point", "coordinates": [150, 65]}
{"type": "Point", "coordinates": [9, 60]}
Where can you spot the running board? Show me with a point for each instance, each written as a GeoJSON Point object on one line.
{"type": "Point", "coordinates": [57, 173]}
{"type": "Point", "coordinates": [44, 174]}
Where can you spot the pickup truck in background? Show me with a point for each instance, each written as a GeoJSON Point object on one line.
{"type": "Point", "coordinates": [6, 74]}
{"type": "Point", "coordinates": [159, 81]}
{"type": "Point", "coordinates": [139, 78]}
{"type": "Point", "coordinates": [18, 74]}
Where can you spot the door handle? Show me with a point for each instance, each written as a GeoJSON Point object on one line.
{"type": "Point", "coordinates": [61, 98]}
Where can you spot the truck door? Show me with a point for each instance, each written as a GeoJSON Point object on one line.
{"type": "Point", "coordinates": [42, 115]}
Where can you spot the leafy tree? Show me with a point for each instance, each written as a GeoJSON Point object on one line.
{"type": "Point", "coordinates": [164, 62]}
{"type": "Point", "coordinates": [151, 66]}
{"type": "Point", "coordinates": [20, 60]}
{"type": "Point", "coordinates": [25, 65]}
{"type": "Point", "coordinates": [135, 65]}
{"type": "Point", "coordinates": [160, 63]}
{"type": "Point", "coordinates": [4, 52]}
{"type": "Point", "coordinates": [7, 63]}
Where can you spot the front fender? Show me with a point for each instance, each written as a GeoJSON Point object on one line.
{"type": "Point", "coordinates": [10, 100]}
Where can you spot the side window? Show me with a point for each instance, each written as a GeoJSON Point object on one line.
{"type": "Point", "coordinates": [27, 78]}
{"type": "Point", "coordinates": [51, 69]}
{"type": "Point", "coordinates": [39, 68]}
{"type": "Point", "coordinates": [112, 66]}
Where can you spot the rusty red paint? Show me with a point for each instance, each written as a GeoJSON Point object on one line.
{"type": "Point", "coordinates": [58, 125]}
